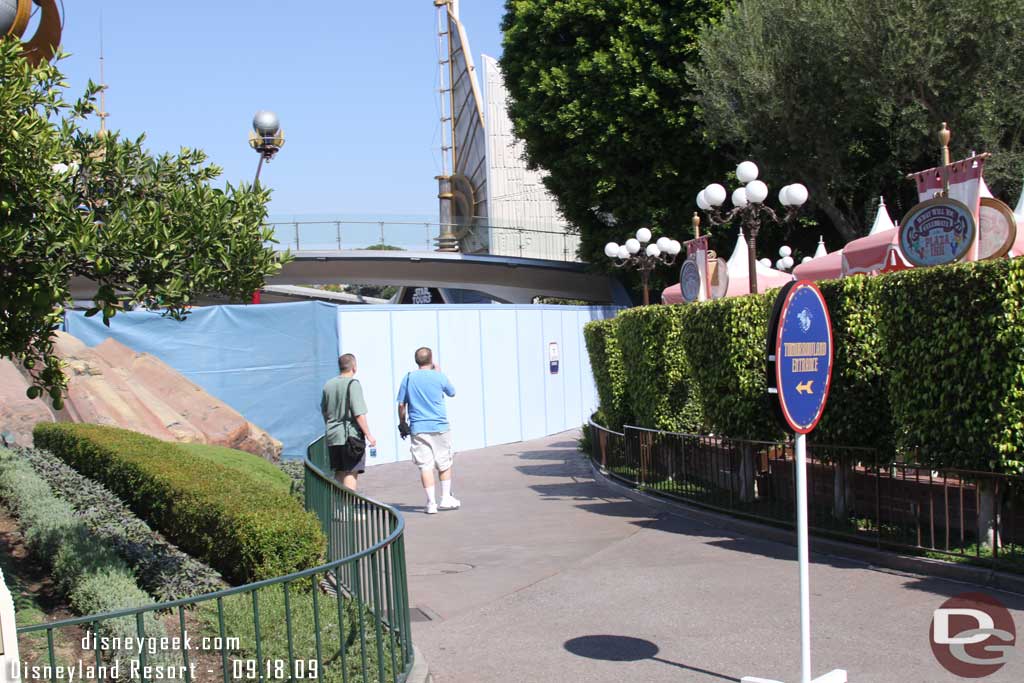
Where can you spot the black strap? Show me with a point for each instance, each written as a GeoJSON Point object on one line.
{"type": "Point", "coordinates": [348, 405]}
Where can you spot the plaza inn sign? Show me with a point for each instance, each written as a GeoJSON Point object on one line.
{"type": "Point", "coordinates": [937, 231]}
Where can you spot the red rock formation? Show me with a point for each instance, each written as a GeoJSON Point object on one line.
{"type": "Point", "coordinates": [18, 413]}
{"type": "Point", "coordinates": [113, 385]}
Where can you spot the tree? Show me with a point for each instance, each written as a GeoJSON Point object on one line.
{"type": "Point", "coordinates": [847, 97]}
{"type": "Point", "coordinates": [599, 96]}
{"type": "Point", "coordinates": [148, 231]}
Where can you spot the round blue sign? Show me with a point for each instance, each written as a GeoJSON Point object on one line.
{"type": "Point", "coordinates": [803, 356]}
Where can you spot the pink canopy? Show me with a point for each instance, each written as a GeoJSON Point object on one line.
{"type": "Point", "coordinates": [828, 267]}
{"type": "Point", "coordinates": [875, 253]}
{"type": "Point", "coordinates": [767, 278]}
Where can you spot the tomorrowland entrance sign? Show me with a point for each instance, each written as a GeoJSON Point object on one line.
{"type": "Point", "coordinates": [937, 231]}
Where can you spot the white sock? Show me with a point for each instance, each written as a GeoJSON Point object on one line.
{"type": "Point", "coordinates": [446, 489]}
{"type": "Point", "coordinates": [430, 496]}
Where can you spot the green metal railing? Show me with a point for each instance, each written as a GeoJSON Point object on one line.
{"type": "Point", "coordinates": [853, 493]}
{"type": "Point", "coordinates": [346, 620]}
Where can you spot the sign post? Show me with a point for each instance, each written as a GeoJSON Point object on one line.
{"type": "Point", "coordinates": [800, 355]}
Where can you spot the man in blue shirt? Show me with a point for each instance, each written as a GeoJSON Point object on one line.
{"type": "Point", "coordinates": [421, 398]}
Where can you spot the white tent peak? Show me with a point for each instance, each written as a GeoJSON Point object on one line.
{"type": "Point", "coordinates": [882, 220]}
{"type": "Point", "coordinates": [1019, 211]}
{"type": "Point", "coordinates": [739, 262]}
{"type": "Point", "coordinates": [821, 250]}
{"type": "Point", "coordinates": [983, 190]}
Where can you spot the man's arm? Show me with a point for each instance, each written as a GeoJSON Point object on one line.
{"type": "Point", "coordinates": [323, 404]}
{"type": "Point", "coordinates": [448, 388]}
{"type": "Point", "coordinates": [401, 412]}
{"type": "Point", "coordinates": [364, 426]}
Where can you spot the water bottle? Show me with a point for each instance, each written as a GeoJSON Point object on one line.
{"type": "Point", "coordinates": [373, 451]}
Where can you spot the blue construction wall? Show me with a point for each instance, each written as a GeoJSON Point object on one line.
{"type": "Point", "coordinates": [497, 358]}
{"type": "Point", "coordinates": [269, 362]}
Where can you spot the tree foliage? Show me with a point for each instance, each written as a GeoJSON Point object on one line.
{"type": "Point", "coordinates": [599, 96]}
{"type": "Point", "coordinates": [148, 231]}
{"type": "Point", "coordinates": [847, 97]}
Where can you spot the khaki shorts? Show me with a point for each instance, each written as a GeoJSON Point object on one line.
{"type": "Point", "coordinates": [432, 449]}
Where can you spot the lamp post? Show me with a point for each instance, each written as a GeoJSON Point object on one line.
{"type": "Point", "coordinates": [266, 138]}
{"type": "Point", "coordinates": [749, 207]}
{"type": "Point", "coordinates": [633, 254]}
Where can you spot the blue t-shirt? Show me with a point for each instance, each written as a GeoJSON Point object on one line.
{"type": "Point", "coordinates": [424, 391]}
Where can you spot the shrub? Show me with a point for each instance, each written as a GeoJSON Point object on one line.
{"type": "Point", "coordinates": [214, 512]}
{"type": "Point", "coordinates": [953, 341]}
{"type": "Point", "coordinates": [94, 578]}
{"type": "Point", "coordinates": [857, 413]}
{"type": "Point", "coordinates": [162, 569]}
{"type": "Point", "coordinates": [606, 365]}
{"type": "Point", "coordinates": [658, 391]}
{"type": "Point", "coordinates": [725, 346]}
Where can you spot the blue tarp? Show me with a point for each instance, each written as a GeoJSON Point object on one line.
{"type": "Point", "coordinates": [268, 362]}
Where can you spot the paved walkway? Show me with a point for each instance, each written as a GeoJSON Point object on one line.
{"type": "Point", "coordinates": [547, 575]}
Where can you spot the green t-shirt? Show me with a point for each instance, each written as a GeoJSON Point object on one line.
{"type": "Point", "coordinates": [340, 423]}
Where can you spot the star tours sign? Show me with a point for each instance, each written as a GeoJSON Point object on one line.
{"type": "Point", "coordinates": [800, 355]}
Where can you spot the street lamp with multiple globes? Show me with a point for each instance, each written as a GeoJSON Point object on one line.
{"type": "Point", "coordinates": [633, 254]}
{"type": "Point", "coordinates": [749, 207]}
{"type": "Point", "coordinates": [266, 137]}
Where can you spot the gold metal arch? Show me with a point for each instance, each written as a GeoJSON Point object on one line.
{"type": "Point", "coordinates": [43, 45]}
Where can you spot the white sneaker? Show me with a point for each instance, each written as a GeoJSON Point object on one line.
{"type": "Point", "coordinates": [431, 508]}
{"type": "Point", "coordinates": [450, 503]}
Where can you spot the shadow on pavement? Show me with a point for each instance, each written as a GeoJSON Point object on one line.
{"type": "Point", "coordinates": [627, 649]}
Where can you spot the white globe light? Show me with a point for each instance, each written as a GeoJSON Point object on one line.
{"type": "Point", "coordinates": [714, 194]}
{"type": "Point", "coordinates": [623, 253]}
{"type": "Point", "coordinates": [266, 123]}
{"type": "Point", "coordinates": [644, 235]}
{"type": "Point", "coordinates": [663, 243]}
{"type": "Point", "coordinates": [805, 259]}
{"type": "Point", "coordinates": [746, 172]}
{"type": "Point", "coordinates": [757, 191]}
{"type": "Point", "coordinates": [702, 201]}
{"type": "Point", "coordinates": [611, 250]}
{"type": "Point", "coordinates": [765, 262]}
{"type": "Point", "coordinates": [652, 250]}
{"type": "Point", "coordinates": [632, 245]}
{"type": "Point", "coordinates": [784, 196]}
{"type": "Point", "coordinates": [787, 262]}
{"type": "Point", "coordinates": [739, 197]}
{"type": "Point", "coordinates": [797, 194]}
{"type": "Point", "coordinates": [674, 247]}
{"type": "Point", "coordinates": [784, 251]}
{"type": "Point", "coordinates": [778, 264]}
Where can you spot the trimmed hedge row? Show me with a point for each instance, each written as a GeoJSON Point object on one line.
{"type": "Point", "coordinates": [163, 570]}
{"type": "Point", "coordinates": [213, 512]}
{"type": "Point", "coordinates": [929, 362]}
{"type": "Point", "coordinates": [90, 574]}
{"type": "Point", "coordinates": [606, 365]}
{"type": "Point", "coordinates": [657, 391]}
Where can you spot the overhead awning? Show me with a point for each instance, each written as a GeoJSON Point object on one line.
{"type": "Point", "coordinates": [827, 267]}
{"type": "Point", "coordinates": [875, 253]}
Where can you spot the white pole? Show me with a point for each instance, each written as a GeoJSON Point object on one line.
{"type": "Point", "coordinates": [801, 530]}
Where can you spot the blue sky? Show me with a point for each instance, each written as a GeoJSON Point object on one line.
{"type": "Point", "coordinates": [353, 83]}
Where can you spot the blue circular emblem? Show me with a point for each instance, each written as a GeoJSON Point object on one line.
{"type": "Point", "coordinates": [803, 355]}
{"type": "Point", "coordinates": [937, 231]}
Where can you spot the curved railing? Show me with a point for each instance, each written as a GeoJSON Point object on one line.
{"type": "Point", "coordinates": [541, 241]}
{"type": "Point", "coordinates": [853, 492]}
{"type": "Point", "coordinates": [345, 620]}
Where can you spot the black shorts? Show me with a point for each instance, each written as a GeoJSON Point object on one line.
{"type": "Point", "coordinates": [342, 460]}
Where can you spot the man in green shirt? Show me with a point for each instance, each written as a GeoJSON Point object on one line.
{"type": "Point", "coordinates": [344, 411]}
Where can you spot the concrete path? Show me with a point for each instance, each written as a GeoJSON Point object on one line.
{"type": "Point", "coordinates": [547, 575]}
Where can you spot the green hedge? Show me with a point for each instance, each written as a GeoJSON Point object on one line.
{"type": "Point", "coordinates": [857, 413]}
{"type": "Point", "coordinates": [954, 342]}
{"type": "Point", "coordinates": [724, 341]}
{"type": "Point", "coordinates": [658, 391]}
{"type": "Point", "coordinates": [219, 514]}
{"type": "Point", "coordinates": [86, 570]}
{"type": "Point", "coordinates": [929, 362]}
{"type": "Point", "coordinates": [606, 366]}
